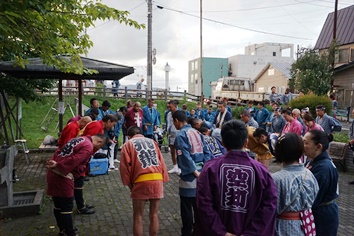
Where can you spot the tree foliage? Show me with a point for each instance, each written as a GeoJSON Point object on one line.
{"type": "Point", "coordinates": [49, 29]}
{"type": "Point", "coordinates": [311, 101]}
{"type": "Point", "coordinates": [313, 71]}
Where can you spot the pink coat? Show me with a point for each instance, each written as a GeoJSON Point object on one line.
{"type": "Point", "coordinates": [315, 126]}
{"type": "Point", "coordinates": [294, 126]}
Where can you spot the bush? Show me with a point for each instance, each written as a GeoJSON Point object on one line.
{"type": "Point", "coordinates": [341, 137]}
{"type": "Point", "coordinates": [236, 111]}
{"type": "Point", "coordinates": [311, 101]}
{"type": "Point", "coordinates": [268, 107]}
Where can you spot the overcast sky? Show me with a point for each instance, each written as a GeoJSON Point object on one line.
{"type": "Point", "coordinates": [175, 32]}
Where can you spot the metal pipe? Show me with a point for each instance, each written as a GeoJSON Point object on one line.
{"type": "Point", "coordinates": [149, 48]}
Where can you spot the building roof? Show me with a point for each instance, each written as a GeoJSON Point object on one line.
{"type": "Point", "coordinates": [36, 69]}
{"type": "Point", "coordinates": [344, 67]}
{"type": "Point", "coordinates": [283, 68]}
{"type": "Point", "coordinates": [345, 29]}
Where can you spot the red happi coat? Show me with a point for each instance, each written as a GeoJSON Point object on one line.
{"type": "Point", "coordinates": [93, 128]}
{"type": "Point", "coordinates": [139, 156]}
{"type": "Point", "coordinates": [134, 118]}
{"type": "Point", "coordinates": [72, 158]}
{"type": "Point", "coordinates": [70, 131]}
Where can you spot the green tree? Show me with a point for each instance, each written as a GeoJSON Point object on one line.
{"type": "Point", "coordinates": [49, 29]}
{"type": "Point", "coordinates": [313, 71]}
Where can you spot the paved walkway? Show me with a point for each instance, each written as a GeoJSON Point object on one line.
{"type": "Point", "coordinates": [113, 204]}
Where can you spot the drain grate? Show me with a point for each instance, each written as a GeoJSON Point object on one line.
{"type": "Point", "coordinates": [23, 201]}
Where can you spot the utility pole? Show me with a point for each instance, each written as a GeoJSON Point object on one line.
{"type": "Point", "coordinates": [335, 21]}
{"type": "Point", "coordinates": [201, 55]}
{"type": "Point", "coordinates": [149, 50]}
{"type": "Point", "coordinates": [334, 39]}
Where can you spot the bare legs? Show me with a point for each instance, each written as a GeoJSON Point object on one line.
{"type": "Point", "coordinates": [138, 213]}
{"type": "Point", "coordinates": [173, 154]}
{"type": "Point", "coordinates": [175, 168]}
{"type": "Point", "coordinates": [154, 217]}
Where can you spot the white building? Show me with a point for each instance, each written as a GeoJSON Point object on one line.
{"type": "Point", "coordinates": [257, 56]}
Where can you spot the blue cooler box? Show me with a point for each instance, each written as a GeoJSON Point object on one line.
{"type": "Point", "coordinates": [99, 166]}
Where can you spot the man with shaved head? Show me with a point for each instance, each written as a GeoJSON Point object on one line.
{"type": "Point", "coordinates": [65, 166]}
{"type": "Point", "coordinates": [72, 130]}
{"type": "Point", "coordinates": [297, 115]}
{"type": "Point", "coordinates": [134, 116]}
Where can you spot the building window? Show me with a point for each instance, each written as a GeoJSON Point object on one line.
{"type": "Point", "coordinates": [196, 65]}
{"type": "Point", "coordinates": [192, 79]}
{"type": "Point", "coordinates": [342, 56]}
{"type": "Point", "coordinates": [352, 54]}
{"type": "Point", "coordinates": [196, 76]}
{"type": "Point", "coordinates": [274, 54]}
{"type": "Point", "coordinates": [192, 65]}
{"type": "Point", "coordinates": [271, 71]}
{"type": "Point", "coordinates": [233, 82]}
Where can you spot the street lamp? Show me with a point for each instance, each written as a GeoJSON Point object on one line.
{"type": "Point", "coordinates": [167, 71]}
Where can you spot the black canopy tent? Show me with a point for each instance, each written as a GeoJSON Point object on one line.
{"type": "Point", "coordinates": [35, 69]}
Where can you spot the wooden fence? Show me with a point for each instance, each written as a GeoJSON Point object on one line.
{"type": "Point", "coordinates": [126, 93]}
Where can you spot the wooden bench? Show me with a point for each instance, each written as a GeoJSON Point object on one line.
{"type": "Point", "coordinates": [338, 152]}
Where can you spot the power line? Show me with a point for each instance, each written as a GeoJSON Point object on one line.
{"type": "Point", "coordinates": [257, 19]}
{"type": "Point", "coordinates": [297, 20]}
{"type": "Point", "coordinates": [231, 25]}
{"type": "Point", "coordinates": [137, 6]}
{"type": "Point", "coordinates": [250, 9]}
{"type": "Point", "coordinates": [318, 5]}
{"type": "Point", "coordinates": [275, 6]}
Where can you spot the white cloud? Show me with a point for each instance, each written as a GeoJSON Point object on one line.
{"type": "Point", "coordinates": [176, 35]}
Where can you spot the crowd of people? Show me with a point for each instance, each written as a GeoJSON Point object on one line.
{"type": "Point", "coordinates": [225, 187]}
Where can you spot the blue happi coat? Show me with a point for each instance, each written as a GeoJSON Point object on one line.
{"type": "Point", "coordinates": [199, 113]}
{"type": "Point", "coordinates": [214, 146]}
{"type": "Point", "coordinates": [115, 86]}
{"type": "Point", "coordinates": [107, 112]}
{"type": "Point", "coordinates": [325, 209]}
{"type": "Point", "coordinates": [150, 119]}
{"type": "Point", "coordinates": [100, 114]}
{"type": "Point", "coordinates": [118, 127]}
{"type": "Point", "coordinates": [327, 123]}
{"type": "Point", "coordinates": [209, 116]}
{"type": "Point", "coordinates": [261, 117]}
{"type": "Point", "coordinates": [192, 153]}
{"type": "Point", "coordinates": [187, 113]}
{"type": "Point", "coordinates": [278, 123]}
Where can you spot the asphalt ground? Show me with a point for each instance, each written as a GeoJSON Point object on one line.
{"type": "Point", "coordinates": [114, 208]}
